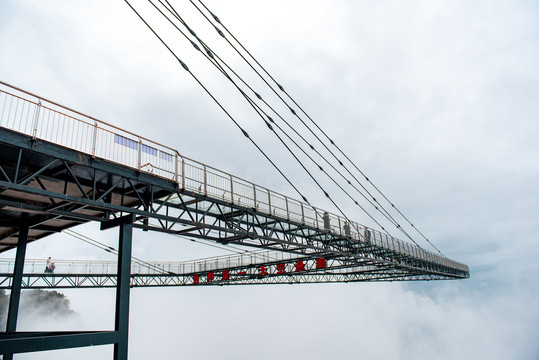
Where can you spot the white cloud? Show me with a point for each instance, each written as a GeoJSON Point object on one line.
{"type": "Point", "coordinates": [435, 100]}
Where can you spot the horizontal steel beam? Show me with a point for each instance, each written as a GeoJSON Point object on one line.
{"type": "Point", "coordinates": [23, 342]}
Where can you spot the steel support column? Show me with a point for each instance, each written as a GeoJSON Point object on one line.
{"type": "Point", "coordinates": [123, 285]}
{"type": "Point", "coordinates": [15, 295]}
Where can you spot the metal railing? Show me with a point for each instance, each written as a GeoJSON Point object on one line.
{"type": "Point", "coordinates": [40, 118]}
{"type": "Point", "coordinates": [101, 267]}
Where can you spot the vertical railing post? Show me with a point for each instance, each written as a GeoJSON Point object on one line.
{"type": "Point", "coordinates": [176, 168]}
{"type": "Point", "coordinates": [269, 202]}
{"type": "Point", "coordinates": [183, 173]}
{"type": "Point", "coordinates": [36, 119]}
{"type": "Point", "coordinates": [302, 214]}
{"type": "Point", "coordinates": [205, 181]}
{"type": "Point", "coordinates": [139, 155]}
{"type": "Point", "coordinates": [254, 197]}
{"type": "Point", "coordinates": [287, 212]}
{"type": "Point", "coordinates": [94, 140]}
{"type": "Point", "coordinates": [231, 190]}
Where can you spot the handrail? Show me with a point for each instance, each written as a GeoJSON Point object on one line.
{"type": "Point", "coordinates": [76, 112]}
{"type": "Point", "coordinates": [38, 118]}
{"type": "Point", "coordinates": [37, 266]}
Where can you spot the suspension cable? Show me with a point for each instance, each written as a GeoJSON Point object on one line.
{"type": "Point", "coordinates": [214, 58]}
{"type": "Point", "coordinates": [257, 109]}
{"type": "Point", "coordinates": [260, 111]}
{"type": "Point", "coordinates": [212, 54]}
{"type": "Point", "coordinates": [219, 104]}
{"type": "Point", "coordinates": [112, 250]}
{"type": "Point", "coordinates": [303, 111]}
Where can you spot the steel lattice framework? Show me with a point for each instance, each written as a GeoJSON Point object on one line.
{"type": "Point", "coordinates": [57, 185]}
{"type": "Point", "coordinates": [262, 268]}
{"type": "Point", "coordinates": [60, 168]}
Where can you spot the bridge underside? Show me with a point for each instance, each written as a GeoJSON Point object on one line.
{"type": "Point", "coordinates": [49, 188]}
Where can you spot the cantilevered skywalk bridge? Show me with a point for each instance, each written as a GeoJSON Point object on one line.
{"type": "Point", "coordinates": [60, 168]}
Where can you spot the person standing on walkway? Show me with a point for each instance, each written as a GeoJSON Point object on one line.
{"type": "Point", "coordinates": [48, 267]}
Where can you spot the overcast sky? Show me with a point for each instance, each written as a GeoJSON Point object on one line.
{"type": "Point", "coordinates": [436, 101]}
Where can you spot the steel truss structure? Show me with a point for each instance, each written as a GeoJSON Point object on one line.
{"type": "Point", "coordinates": [60, 168]}
{"type": "Point", "coordinates": [270, 269]}
{"type": "Point", "coordinates": [52, 192]}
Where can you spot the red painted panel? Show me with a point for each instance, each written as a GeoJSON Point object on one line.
{"type": "Point", "coordinates": [226, 275]}
{"type": "Point", "coordinates": [321, 263]}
